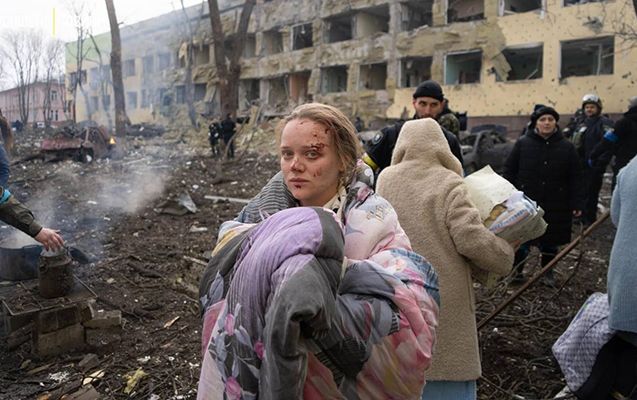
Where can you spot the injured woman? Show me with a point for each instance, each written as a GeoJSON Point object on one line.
{"type": "Point", "coordinates": [313, 291]}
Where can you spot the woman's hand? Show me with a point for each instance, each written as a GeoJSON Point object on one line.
{"type": "Point", "coordinates": [577, 213]}
{"type": "Point", "coordinates": [50, 239]}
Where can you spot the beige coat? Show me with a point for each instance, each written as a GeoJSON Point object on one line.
{"type": "Point", "coordinates": [425, 186]}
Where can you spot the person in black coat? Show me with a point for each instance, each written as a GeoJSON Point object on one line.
{"type": "Point", "coordinates": [586, 137]}
{"type": "Point", "coordinates": [227, 133]}
{"type": "Point", "coordinates": [621, 143]}
{"type": "Point", "coordinates": [545, 166]}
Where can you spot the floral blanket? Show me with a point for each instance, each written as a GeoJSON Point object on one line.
{"type": "Point", "coordinates": [297, 307]}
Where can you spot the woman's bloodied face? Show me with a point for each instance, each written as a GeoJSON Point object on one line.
{"type": "Point", "coordinates": [309, 162]}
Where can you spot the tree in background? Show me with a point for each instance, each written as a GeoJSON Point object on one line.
{"type": "Point", "coordinates": [53, 61]}
{"type": "Point", "coordinates": [79, 51]}
{"type": "Point", "coordinates": [121, 119]}
{"type": "Point", "coordinates": [188, 55]}
{"type": "Point", "coordinates": [227, 59]}
{"type": "Point", "coordinates": [23, 52]}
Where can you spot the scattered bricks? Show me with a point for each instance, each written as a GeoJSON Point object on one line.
{"type": "Point", "coordinates": [60, 341]}
{"type": "Point", "coordinates": [89, 361]}
{"type": "Point", "coordinates": [57, 318]}
{"type": "Point", "coordinates": [105, 319]}
{"type": "Point", "coordinates": [86, 392]}
{"type": "Point", "coordinates": [87, 310]}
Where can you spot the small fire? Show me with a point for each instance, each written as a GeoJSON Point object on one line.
{"type": "Point", "coordinates": [111, 141]}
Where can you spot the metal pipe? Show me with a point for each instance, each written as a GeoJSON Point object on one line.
{"type": "Point", "coordinates": [546, 268]}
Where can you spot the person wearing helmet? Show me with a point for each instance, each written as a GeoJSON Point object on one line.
{"type": "Point", "coordinates": [622, 143]}
{"type": "Point", "coordinates": [586, 137]}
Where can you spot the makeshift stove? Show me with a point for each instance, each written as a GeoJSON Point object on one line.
{"type": "Point", "coordinates": [53, 310]}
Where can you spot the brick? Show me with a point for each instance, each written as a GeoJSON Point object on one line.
{"type": "Point", "coordinates": [87, 310]}
{"type": "Point", "coordinates": [57, 318]}
{"type": "Point", "coordinates": [58, 342]}
{"type": "Point", "coordinates": [105, 319]}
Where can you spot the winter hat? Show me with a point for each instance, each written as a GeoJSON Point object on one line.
{"type": "Point", "coordinates": [429, 89]}
{"type": "Point", "coordinates": [546, 110]}
{"type": "Point", "coordinates": [632, 102]}
{"type": "Point", "coordinates": [591, 98]}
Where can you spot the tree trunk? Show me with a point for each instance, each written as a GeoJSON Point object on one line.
{"type": "Point", "coordinates": [116, 69]}
{"type": "Point", "coordinates": [229, 74]}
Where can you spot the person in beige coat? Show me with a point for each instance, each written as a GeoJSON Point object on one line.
{"type": "Point", "coordinates": [424, 184]}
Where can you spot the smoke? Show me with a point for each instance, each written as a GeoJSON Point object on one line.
{"type": "Point", "coordinates": [85, 205]}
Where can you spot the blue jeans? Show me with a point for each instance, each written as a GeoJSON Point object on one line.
{"type": "Point", "coordinates": [450, 390]}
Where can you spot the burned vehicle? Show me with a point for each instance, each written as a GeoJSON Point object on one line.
{"type": "Point", "coordinates": [485, 145]}
{"type": "Point", "coordinates": [82, 143]}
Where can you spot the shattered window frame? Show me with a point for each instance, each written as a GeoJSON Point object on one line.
{"type": "Point", "coordinates": [199, 91]}
{"type": "Point", "coordinates": [459, 78]}
{"type": "Point", "coordinates": [250, 46]}
{"type": "Point", "coordinates": [129, 68]}
{"type": "Point", "coordinates": [569, 3]}
{"type": "Point", "coordinates": [452, 19]}
{"type": "Point", "coordinates": [275, 39]}
{"type": "Point", "coordinates": [336, 27]}
{"type": "Point", "coordinates": [605, 58]}
{"type": "Point", "coordinates": [527, 51]}
{"type": "Point", "coordinates": [370, 71]}
{"type": "Point", "coordinates": [409, 9]}
{"type": "Point", "coordinates": [326, 81]}
{"type": "Point", "coordinates": [381, 10]}
{"type": "Point", "coordinates": [302, 36]}
{"type": "Point", "coordinates": [502, 12]}
{"type": "Point", "coordinates": [404, 80]}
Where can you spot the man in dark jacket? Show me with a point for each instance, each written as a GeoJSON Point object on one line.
{"type": "Point", "coordinates": [545, 166]}
{"type": "Point", "coordinates": [621, 143]}
{"type": "Point", "coordinates": [428, 103]}
{"type": "Point", "coordinates": [214, 134]}
{"type": "Point", "coordinates": [227, 133]}
{"type": "Point", "coordinates": [585, 138]}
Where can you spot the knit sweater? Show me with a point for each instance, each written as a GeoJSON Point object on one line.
{"type": "Point", "coordinates": [425, 186]}
{"type": "Point", "coordinates": [622, 271]}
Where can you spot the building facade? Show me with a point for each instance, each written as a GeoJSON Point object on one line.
{"type": "Point", "coordinates": [39, 110]}
{"type": "Point", "coordinates": [495, 58]}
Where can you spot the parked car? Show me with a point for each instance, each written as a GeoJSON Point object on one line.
{"type": "Point", "coordinates": [485, 145]}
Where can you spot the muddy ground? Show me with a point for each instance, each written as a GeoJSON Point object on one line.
{"type": "Point", "coordinates": [147, 264]}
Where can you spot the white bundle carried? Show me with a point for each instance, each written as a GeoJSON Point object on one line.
{"type": "Point", "coordinates": [506, 211]}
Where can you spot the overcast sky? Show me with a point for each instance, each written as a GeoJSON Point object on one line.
{"type": "Point", "coordinates": [54, 17]}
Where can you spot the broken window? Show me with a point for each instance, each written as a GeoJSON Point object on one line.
{"type": "Point", "coordinates": [372, 76]}
{"type": "Point", "coordinates": [165, 97]}
{"type": "Point", "coordinates": [299, 86]}
{"type": "Point", "coordinates": [272, 42]}
{"type": "Point", "coordinates": [414, 70]}
{"type": "Point", "coordinates": [53, 95]}
{"type": "Point", "coordinates": [180, 94]}
{"type": "Point", "coordinates": [302, 36]}
{"type": "Point", "coordinates": [163, 61]}
{"type": "Point", "coordinates": [148, 64]}
{"type": "Point", "coordinates": [131, 100]}
{"type": "Point", "coordinates": [371, 20]}
{"type": "Point", "coordinates": [129, 68]}
{"type": "Point", "coordinates": [334, 79]}
{"type": "Point", "coordinates": [106, 101]}
{"type": "Point", "coordinates": [201, 54]}
{"type": "Point", "coordinates": [465, 10]}
{"type": "Point", "coordinates": [415, 13]}
{"type": "Point", "coordinates": [250, 46]}
{"type": "Point", "coordinates": [249, 93]}
{"type": "Point", "coordinates": [277, 91]}
{"type": "Point", "coordinates": [587, 57]}
{"type": "Point", "coordinates": [200, 91]}
{"type": "Point", "coordinates": [463, 67]}
{"type": "Point", "coordinates": [576, 2]}
{"type": "Point", "coordinates": [525, 63]}
{"type": "Point", "coordinates": [339, 28]}
{"type": "Point", "coordinates": [145, 98]}
{"type": "Point", "coordinates": [508, 7]}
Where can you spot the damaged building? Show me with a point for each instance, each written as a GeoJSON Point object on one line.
{"type": "Point", "coordinates": [495, 58]}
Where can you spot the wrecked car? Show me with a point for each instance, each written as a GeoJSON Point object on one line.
{"type": "Point", "coordinates": [78, 143]}
{"type": "Point", "coordinates": [485, 145]}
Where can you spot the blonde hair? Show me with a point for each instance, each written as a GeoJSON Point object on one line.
{"type": "Point", "coordinates": [346, 142]}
